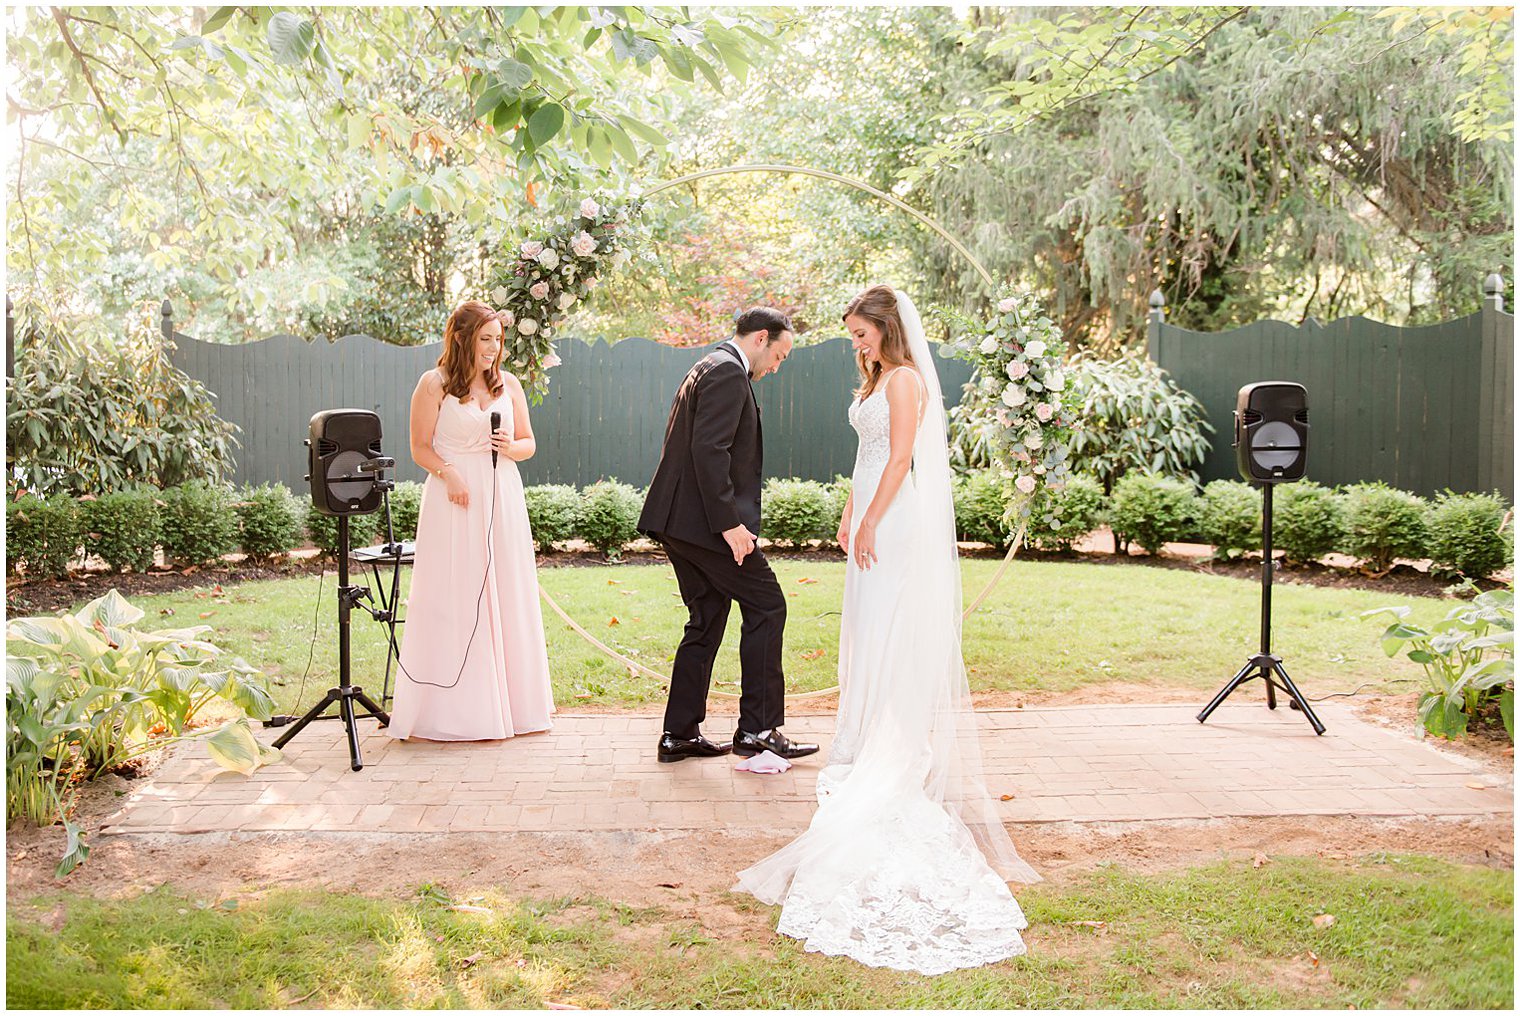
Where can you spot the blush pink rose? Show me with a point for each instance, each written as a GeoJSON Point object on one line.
{"type": "Point", "coordinates": [539, 290]}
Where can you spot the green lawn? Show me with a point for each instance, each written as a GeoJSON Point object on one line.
{"type": "Point", "coordinates": [1049, 625]}
{"type": "Point", "coordinates": [1408, 932]}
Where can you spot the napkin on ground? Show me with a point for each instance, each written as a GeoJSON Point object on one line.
{"type": "Point", "coordinates": [766, 762]}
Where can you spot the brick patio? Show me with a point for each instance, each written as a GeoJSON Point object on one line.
{"type": "Point", "coordinates": [1083, 764]}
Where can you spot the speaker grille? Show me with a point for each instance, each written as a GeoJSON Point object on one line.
{"type": "Point", "coordinates": [1302, 416]}
{"type": "Point", "coordinates": [1251, 417]}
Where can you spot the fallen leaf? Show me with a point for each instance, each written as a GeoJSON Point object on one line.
{"type": "Point", "coordinates": [1476, 785]}
{"type": "Point", "coordinates": [1312, 957]}
{"type": "Point", "coordinates": [668, 885]}
{"type": "Point", "coordinates": [466, 908]}
{"type": "Point", "coordinates": [217, 589]}
{"type": "Point", "coordinates": [625, 592]}
{"type": "Point", "coordinates": [206, 614]}
{"type": "Point", "coordinates": [806, 581]}
{"type": "Point", "coordinates": [813, 654]}
{"type": "Point", "coordinates": [167, 611]}
{"type": "Point", "coordinates": [614, 621]}
{"type": "Point", "coordinates": [1259, 860]}
{"type": "Point", "coordinates": [614, 582]}
{"type": "Point", "coordinates": [1324, 920]}
{"type": "Point", "coordinates": [1094, 925]}
{"type": "Point", "coordinates": [1007, 797]}
{"type": "Point", "coordinates": [583, 694]}
{"type": "Point", "coordinates": [470, 960]}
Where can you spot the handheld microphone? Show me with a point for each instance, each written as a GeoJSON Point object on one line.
{"type": "Point", "coordinates": [495, 424]}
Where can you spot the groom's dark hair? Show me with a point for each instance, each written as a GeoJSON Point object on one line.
{"type": "Point", "coordinates": [763, 319]}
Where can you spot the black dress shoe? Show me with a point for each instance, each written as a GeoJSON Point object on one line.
{"type": "Point", "coordinates": [674, 749]}
{"type": "Point", "coordinates": [750, 745]}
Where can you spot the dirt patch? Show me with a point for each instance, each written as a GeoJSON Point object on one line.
{"type": "Point", "coordinates": [47, 597]}
{"type": "Point", "coordinates": [1486, 740]}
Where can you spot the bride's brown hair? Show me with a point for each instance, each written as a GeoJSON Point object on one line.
{"type": "Point", "coordinates": [878, 305]}
{"type": "Point", "coordinates": [457, 364]}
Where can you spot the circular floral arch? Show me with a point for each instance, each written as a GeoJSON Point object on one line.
{"type": "Point", "coordinates": [1017, 352]}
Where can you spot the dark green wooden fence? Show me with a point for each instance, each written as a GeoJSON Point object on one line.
{"type": "Point", "coordinates": [604, 415]}
{"type": "Point", "coordinates": [1423, 409]}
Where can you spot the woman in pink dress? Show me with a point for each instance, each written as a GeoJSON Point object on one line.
{"type": "Point", "coordinates": [473, 662]}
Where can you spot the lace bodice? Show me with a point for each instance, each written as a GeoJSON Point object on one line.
{"type": "Point", "coordinates": [872, 419]}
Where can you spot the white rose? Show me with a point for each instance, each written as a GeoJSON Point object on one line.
{"type": "Point", "coordinates": [532, 248]}
{"type": "Point", "coordinates": [499, 295]}
{"type": "Point", "coordinates": [1007, 304]}
{"type": "Point", "coordinates": [508, 319]}
{"type": "Point", "coordinates": [989, 346]}
{"type": "Point", "coordinates": [549, 258]}
{"type": "Point", "coordinates": [538, 290]}
{"type": "Point", "coordinates": [1044, 411]}
{"type": "Point", "coordinates": [1013, 396]}
{"type": "Point", "coordinates": [590, 209]}
{"type": "Point", "coordinates": [565, 300]}
{"type": "Point", "coordinates": [1026, 483]}
{"type": "Point", "coordinates": [1017, 369]}
{"type": "Point", "coordinates": [584, 244]}
{"type": "Point", "coordinates": [1035, 348]}
{"type": "Point", "coordinates": [527, 326]}
{"type": "Point", "coordinates": [1056, 381]}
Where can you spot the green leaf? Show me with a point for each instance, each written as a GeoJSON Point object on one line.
{"type": "Point", "coordinates": [644, 131]}
{"type": "Point", "coordinates": [75, 850]}
{"type": "Point", "coordinates": [290, 37]}
{"type": "Point", "coordinates": [219, 17]}
{"type": "Point", "coordinates": [235, 748]}
{"type": "Point", "coordinates": [546, 122]}
{"type": "Point", "coordinates": [1507, 711]}
{"type": "Point", "coordinates": [399, 199]}
{"type": "Point", "coordinates": [514, 74]}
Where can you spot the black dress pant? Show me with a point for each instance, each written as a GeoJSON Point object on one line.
{"type": "Point", "coordinates": [709, 582]}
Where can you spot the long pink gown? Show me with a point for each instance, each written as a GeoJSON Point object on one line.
{"type": "Point", "coordinates": [501, 688]}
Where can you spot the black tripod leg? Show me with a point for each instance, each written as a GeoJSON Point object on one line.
{"type": "Point", "coordinates": [315, 712]}
{"type": "Point", "coordinates": [1235, 682]}
{"type": "Point", "coordinates": [1298, 698]}
{"type": "Point", "coordinates": [1266, 678]}
{"type": "Point", "coordinates": [356, 762]}
{"type": "Point", "coordinates": [375, 711]}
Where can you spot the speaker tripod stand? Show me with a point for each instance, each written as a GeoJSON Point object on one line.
{"type": "Point", "coordinates": [1266, 664]}
{"type": "Point", "coordinates": [345, 695]}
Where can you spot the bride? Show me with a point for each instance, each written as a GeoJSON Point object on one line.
{"type": "Point", "coordinates": [905, 863]}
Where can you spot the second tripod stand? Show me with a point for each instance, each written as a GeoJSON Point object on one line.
{"type": "Point", "coordinates": [1265, 664]}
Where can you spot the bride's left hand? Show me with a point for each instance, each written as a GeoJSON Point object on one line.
{"type": "Point", "coordinates": [864, 545]}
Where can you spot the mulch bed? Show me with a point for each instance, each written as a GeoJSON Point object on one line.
{"type": "Point", "coordinates": [43, 597]}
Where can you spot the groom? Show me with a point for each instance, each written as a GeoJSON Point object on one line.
{"type": "Point", "coordinates": [703, 506]}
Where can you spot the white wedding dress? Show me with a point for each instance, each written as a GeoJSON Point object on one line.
{"type": "Point", "coordinates": [904, 863]}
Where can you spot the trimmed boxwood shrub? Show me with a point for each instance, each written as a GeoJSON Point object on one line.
{"type": "Point", "coordinates": [269, 521]}
{"type": "Point", "coordinates": [42, 535]}
{"type": "Point", "coordinates": [552, 510]}
{"type": "Point", "coordinates": [406, 508]}
{"type": "Point", "coordinates": [608, 516]}
{"type": "Point", "coordinates": [1229, 516]}
{"type": "Point", "coordinates": [322, 531]}
{"type": "Point", "coordinates": [1060, 518]}
{"type": "Point", "coordinates": [839, 495]}
{"type": "Point", "coordinates": [1465, 536]}
{"type": "Point", "coordinates": [1306, 521]}
{"type": "Point", "coordinates": [1152, 510]}
{"type": "Point", "coordinates": [980, 501]}
{"type": "Point", "coordinates": [795, 511]}
{"type": "Point", "coordinates": [1382, 523]}
{"type": "Point", "coordinates": [200, 524]}
{"type": "Point", "coordinates": [123, 528]}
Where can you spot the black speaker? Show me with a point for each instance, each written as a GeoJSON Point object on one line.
{"type": "Point", "coordinates": [1272, 431]}
{"type": "Point", "coordinates": [341, 440]}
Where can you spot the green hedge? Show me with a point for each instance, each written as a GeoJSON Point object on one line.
{"type": "Point", "coordinates": [1152, 510]}
{"type": "Point", "coordinates": [608, 516]}
{"type": "Point", "coordinates": [981, 500]}
{"type": "Point", "coordinates": [124, 528]}
{"type": "Point", "coordinates": [269, 521]}
{"type": "Point", "coordinates": [1465, 534]}
{"type": "Point", "coordinates": [1229, 516]}
{"type": "Point", "coordinates": [1307, 521]}
{"type": "Point", "coordinates": [42, 535]}
{"type": "Point", "coordinates": [552, 511]}
{"type": "Point", "coordinates": [1381, 523]}
{"type": "Point", "coordinates": [200, 524]}
{"type": "Point", "coordinates": [1060, 518]}
{"type": "Point", "coordinates": [796, 511]}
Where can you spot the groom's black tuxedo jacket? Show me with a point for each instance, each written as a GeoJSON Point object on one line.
{"type": "Point", "coordinates": [708, 479]}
